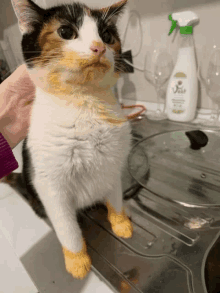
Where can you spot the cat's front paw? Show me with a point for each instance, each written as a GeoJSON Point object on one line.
{"type": "Point", "coordinates": [78, 264]}
{"type": "Point", "coordinates": [121, 224]}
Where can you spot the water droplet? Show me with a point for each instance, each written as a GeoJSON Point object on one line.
{"type": "Point", "coordinates": [149, 244]}
{"type": "Point", "coordinates": [203, 175]}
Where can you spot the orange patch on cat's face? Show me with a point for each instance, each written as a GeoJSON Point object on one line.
{"type": "Point", "coordinates": [84, 70]}
{"type": "Point", "coordinates": [52, 50]}
{"type": "Point", "coordinates": [50, 42]}
{"type": "Point", "coordinates": [116, 46]}
{"type": "Point", "coordinates": [67, 63]}
{"type": "Point", "coordinates": [55, 84]}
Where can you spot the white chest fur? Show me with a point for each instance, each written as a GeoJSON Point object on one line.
{"type": "Point", "coordinates": [75, 151]}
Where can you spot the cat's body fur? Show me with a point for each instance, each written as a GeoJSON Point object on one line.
{"type": "Point", "coordinates": [78, 139]}
{"type": "Point", "coordinates": [76, 157]}
{"type": "Point", "coordinates": [85, 153]}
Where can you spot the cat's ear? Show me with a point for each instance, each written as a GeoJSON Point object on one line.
{"type": "Point", "coordinates": [112, 12]}
{"type": "Point", "coordinates": [28, 14]}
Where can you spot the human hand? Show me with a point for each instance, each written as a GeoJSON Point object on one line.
{"type": "Point", "coordinates": [17, 93]}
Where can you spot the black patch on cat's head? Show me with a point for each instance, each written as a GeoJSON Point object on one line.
{"type": "Point", "coordinates": [72, 13]}
{"type": "Point", "coordinates": [105, 23]}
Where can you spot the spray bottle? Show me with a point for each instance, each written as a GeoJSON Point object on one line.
{"type": "Point", "coordinates": [182, 91]}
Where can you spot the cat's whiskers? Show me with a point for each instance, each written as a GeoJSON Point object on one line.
{"type": "Point", "coordinates": [71, 12]}
{"type": "Point", "coordinates": [107, 10]}
{"type": "Point", "coordinates": [118, 59]}
{"type": "Point", "coordinates": [105, 13]}
{"type": "Point", "coordinates": [114, 12]}
{"type": "Point", "coordinates": [119, 69]}
{"type": "Point", "coordinates": [39, 59]}
{"type": "Point", "coordinates": [43, 58]}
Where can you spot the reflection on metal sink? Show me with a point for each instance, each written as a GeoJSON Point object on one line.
{"type": "Point", "coordinates": [176, 216]}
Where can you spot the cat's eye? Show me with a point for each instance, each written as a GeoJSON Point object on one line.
{"type": "Point", "coordinates": [67, 32]}
{"type": "Point", "coordinates": [108, 38]}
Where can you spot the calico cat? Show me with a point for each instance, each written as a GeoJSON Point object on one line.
{"type": "Point", "coordinates": [79, 139]}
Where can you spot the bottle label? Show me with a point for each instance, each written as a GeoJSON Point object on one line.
{"type": "Point", "coordinates": [179, 89]}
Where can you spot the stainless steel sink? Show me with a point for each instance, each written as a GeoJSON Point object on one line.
{"type": "Point", "coordinates": [174, 232]}
{"type": "Point", "coordinates": [176, 222]}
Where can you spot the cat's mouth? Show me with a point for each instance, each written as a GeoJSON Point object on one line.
{"type": "Point", "coordinates": [98, 64]}
{"type": "Point", "coordinates": [101, 63]}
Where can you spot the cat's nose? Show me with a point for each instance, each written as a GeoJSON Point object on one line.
{"type": "Point", "coordinates": [98, 49]}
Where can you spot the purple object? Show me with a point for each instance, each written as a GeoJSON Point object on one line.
{"type": "Point", "coordinates": [8, 162]}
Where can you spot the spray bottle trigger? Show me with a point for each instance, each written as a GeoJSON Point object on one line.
{"type": "Point", "coordinates": [173, 25]}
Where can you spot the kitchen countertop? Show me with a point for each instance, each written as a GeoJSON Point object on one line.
{"type": "Point", "coordinates": [159, 252]}
{"type": "Point", "coordinates": [31, 256]}
{"type": "Point", "coordinates": [14, 277]}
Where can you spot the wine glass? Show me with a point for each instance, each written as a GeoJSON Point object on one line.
{"type": "Point", "coordinates": [209, 75]}
{"type": "Point", "coordinates": [159, 73]}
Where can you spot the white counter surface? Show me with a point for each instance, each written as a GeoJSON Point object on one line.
{"type": "Point", "coordinates": [27, 240]}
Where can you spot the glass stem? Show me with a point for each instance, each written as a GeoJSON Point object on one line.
{"type": "Point", "coordinates": [165, 103]}
{"type": "Point", "coordinates": [158, 98]}
{"type": "Point", "coordinates": [213, 114]}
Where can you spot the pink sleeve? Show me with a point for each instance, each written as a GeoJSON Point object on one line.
{"type": "Point", "coordinates": [8, 162]}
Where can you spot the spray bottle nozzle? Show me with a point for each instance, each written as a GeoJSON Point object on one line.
{"type": "Point", "coordinates": [173, 25]}
{"type": "Point", "coordinates": [184, 20]}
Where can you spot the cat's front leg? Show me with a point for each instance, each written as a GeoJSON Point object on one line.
{"type": "Point", "coordinates": [60, 209]}
{"type": "Point", "coordinates": [121, 225]}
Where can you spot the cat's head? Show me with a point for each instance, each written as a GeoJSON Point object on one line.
{"type": "Point", "coordinates": [70, 46]}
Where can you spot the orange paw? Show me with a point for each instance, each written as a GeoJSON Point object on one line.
{"type": "Point", "coordinates": [78, 264]}
{"type": "Point", "coordinates": [121, 225]}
